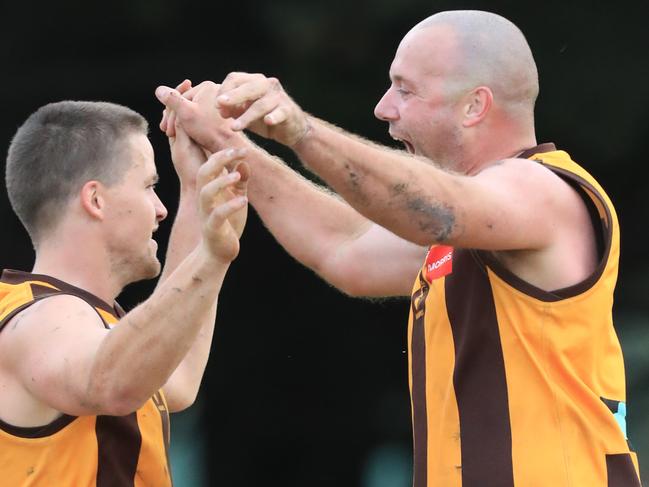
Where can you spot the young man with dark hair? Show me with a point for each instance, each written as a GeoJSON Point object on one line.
{"type": "Point", "coordinates": [85, 389]}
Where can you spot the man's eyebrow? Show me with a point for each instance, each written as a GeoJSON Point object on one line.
{"type": "Point", "coordinates": [397, 78]}
{"type": "Point", "coordinates": [155, 178]}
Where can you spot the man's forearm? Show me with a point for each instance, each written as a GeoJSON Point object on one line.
{"type": "Point", "coordinates": [181, 388]}
{"type": "Point", "coordinates": [312, 224]}
{"type": "Point", "coordinates": [399, 192]}
{"type": "Point", "coordinates": [185, 232]}
{"type": "Point", "coordinates": [139, 355]}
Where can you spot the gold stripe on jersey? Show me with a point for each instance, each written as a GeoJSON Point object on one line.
{"type": "Point", "coordinates": [97, 451]}
{"type": "Point", "coordinates": [513, 385]}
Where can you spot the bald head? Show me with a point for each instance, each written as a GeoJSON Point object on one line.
{"type": "Point", "coordinates": [490, 51]}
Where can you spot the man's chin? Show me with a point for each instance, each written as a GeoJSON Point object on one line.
{"type": "Point", "coordinates": [154, 270]}
{"type": "Point", "coordinates": [149, 270]}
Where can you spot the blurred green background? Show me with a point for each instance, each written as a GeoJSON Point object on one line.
{"type": "Point", "coordinates": [306, 386]}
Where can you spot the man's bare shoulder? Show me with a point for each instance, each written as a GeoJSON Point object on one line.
{"type": "Point", "coordinates": [61, 313]}
{"type": "Point", "coordinates": [551, 209]}
{"type": "Point", "coordinates": [532, 181]}
{"type": "Point", "coordinates": [39, 347]}
{"type": "Point", "coordinates": [515, 165]}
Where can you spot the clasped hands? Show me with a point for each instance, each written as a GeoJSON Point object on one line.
{"type": "Point", "coordinates": [214, 115]}
{"type": "Point", "coordinates": [205, 126]}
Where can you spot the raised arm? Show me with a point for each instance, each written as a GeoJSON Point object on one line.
{"type": "Point", "coordinates": [182, 387]}
{"type": "Point", "coordinates": [185, 233]}
{"type": "Point", "coordinates": [64, 358]}
{"type": "Point", "coordinates": [316, 227]}
{"type": "Point", "coordinates": [514, 205]}
{"type": "Point", "coordinates": [324, 233]}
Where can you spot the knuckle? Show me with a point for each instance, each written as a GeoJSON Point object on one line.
{"type": "Point", "coordinates": [277, 98]}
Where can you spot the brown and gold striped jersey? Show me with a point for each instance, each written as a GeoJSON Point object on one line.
{"type": "Point", "coordinates": [512, 385]}
{"type": "Point", "coordinates": [86, 450]}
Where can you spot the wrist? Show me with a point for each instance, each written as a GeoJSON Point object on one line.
{"type": "Point", "coordinates": [227, 138]}
{"type": "Point", "coordinates": [306, 134]}
{"type": "Point", "coordinates": [187, 188]}
{"type": "Point", "coordinates": [211, 260]}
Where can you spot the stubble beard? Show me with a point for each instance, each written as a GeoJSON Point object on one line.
{"type": "Point", "coordinates": [133, 269]}
{"type": "Point", "coordinates": [448, 154]}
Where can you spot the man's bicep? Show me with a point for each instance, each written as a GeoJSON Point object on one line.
{"type": "Point", "coordinates": [517, 205]}
{"type": "Point", "coordinates": [51, 346]}
{"type": "Point", "coordinates": [379, 263]}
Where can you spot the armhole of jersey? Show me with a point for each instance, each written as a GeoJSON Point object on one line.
{"type": "Point", "coordinates": [65, 419]}
{"type": "Point", "coordinates": [602, 221]}
{"type": "Point", "coordinates": [57, 424]}
{"type": "Point", "coordinates": [104, 322]}
{"type": "Point", "coordinates": [41, 297]}
{"type": "Point", "coordinates": [11, 315]}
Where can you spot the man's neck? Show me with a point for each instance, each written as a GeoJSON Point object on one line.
{"type": "Point", "coordinates": [498, 149]}
{"type": "Point", "coordinates": [79, 266]}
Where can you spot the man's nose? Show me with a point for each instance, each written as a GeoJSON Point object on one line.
{"type": "Point", "coordinates": [385, 109]}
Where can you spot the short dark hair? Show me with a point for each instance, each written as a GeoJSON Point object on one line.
{"type": "Point", "coordinates": [58, 149]}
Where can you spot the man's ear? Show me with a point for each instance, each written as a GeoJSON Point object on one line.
{"type": "Point", "coordinates": [477, 105]}
{"type": "Point", "coordinates": [92, 200]}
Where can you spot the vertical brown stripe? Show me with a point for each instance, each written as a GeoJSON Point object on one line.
{"type": "Point", "coordinates": [418, 357]}
{"type": "Point", "coordinates": [620, 471]}
{"type": "Point", "coordinates": [479, 377]}
{"type": "Point", "coordinates": [118, 441]}
{"type": "Point", "coordinates": [166, 427]}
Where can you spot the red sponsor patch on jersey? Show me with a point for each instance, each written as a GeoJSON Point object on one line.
{"type": "Point", "coordinates": [439, 262]}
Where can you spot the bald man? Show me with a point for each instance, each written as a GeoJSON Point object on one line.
{"type": "Point", "coordinates": [516, 373]}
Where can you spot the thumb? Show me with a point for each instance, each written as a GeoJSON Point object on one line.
{"type": "Point", "coordinates": [169, 97]}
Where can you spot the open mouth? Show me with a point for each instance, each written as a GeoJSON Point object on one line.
{"type": "Point", "coordinates": [152, 238]}
{"type": "Point", "coordinates": [409, 147]}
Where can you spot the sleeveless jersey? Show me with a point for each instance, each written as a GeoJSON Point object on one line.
{"type": "Point", "coordinates": [115, 451]}
{"type": "Point", "coordinates": [512, 385]}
